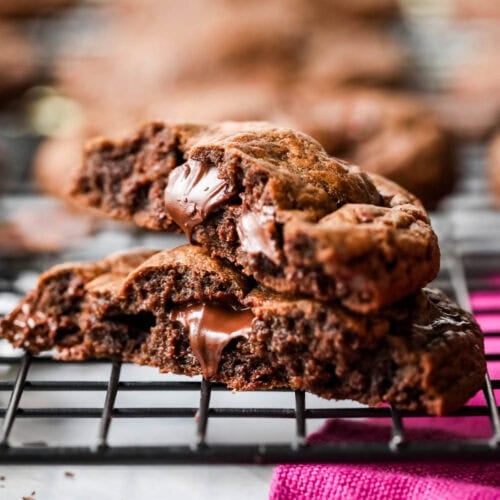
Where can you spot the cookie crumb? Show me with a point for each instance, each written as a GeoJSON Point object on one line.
{"type": "Point", "coordinates": [2, 478]}
{"type": "Point", "coordinates": [29, 498]}
{"type": "Point", "coordinates": [69, 474]}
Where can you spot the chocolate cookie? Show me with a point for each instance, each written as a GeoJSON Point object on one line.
{"type": "Point", "coordinates": [390, 134]}
{"type": "Point", "coordinates": [18, 61]}
{"type": "Point", "coordinates": [187, 313]}
{"type": "Point", "coordinates": [494, 168]}
{"type": "Point", "coordinates": [271, 201]}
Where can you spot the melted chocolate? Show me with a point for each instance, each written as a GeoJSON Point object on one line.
{"type": "Point", "coordinates": [255, 230]}
{"type": "Point", "coordinates": [211, 328]}
{"type": "Point", "coordinates": [193, 190]}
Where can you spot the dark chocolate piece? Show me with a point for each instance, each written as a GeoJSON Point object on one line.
{"type": "Point", "coordinates": [210, 329]}
{"type": "Point", "coordinates": [255, 231]}
{"type": "Point", "coordinates": [193, 191]}
{"type": "Point", "coordinates": [423, 353]}
{"type": "Point", "coordinates": [273, 209]}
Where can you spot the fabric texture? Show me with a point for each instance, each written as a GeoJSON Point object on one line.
{"type": "Point", "coordinates": [403, 481]}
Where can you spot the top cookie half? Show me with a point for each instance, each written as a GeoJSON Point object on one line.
{"type": "Point", "coordinates": [271, 201]}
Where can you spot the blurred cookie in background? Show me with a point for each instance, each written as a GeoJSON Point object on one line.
{"type": "Point", "coordinates": [92, 84]}
{"type": "Point", "coordinates": [50, 228]}
{"type": "Point", "coordinates": [251, 100]}
{"type": "Point", "coordinates": [226, 43]}
{"type": "Point", "coordinates": [350, 54]}
{"type": "Point", "coordinates": [467, 9]}
{"type": "Point", "coordinates": [54, 164]}
{"type": "Point", "coordinates": [19, 67]}
{"type": "Point", "coordinates": [478, 75]}
{"type": "Point", "coordinates": [470, 104]}
{"type": "Point", "coordinates": [317, 11]}
{"type": "Point", "coordinates": [22, 8]}
{"type": "Point", "coordinates": [494, 168]}
{"type": "Point", "coordinates": [467, 117]}
{"type": "Point", "coordinates": [367, 9]}
{"type": "Point", "coordinates": [387, 133]}
{"type": "Point", "coordinates": [258, 42]}
{"type": "Point", "coordinates": [225, 38]}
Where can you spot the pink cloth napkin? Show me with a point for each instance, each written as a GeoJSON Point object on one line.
{"type": "Point", "coordinates": [412, 481]}
{"type": "Point", "coordinates": [403, 481]}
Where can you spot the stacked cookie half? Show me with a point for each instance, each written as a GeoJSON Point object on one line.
{"type": "Point", "coordinates": [303, 272]}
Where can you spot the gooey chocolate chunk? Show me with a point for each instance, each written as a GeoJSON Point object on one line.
{"type": "Point", "coordinates": [211, 328]}
{"type": "Point", "coordinates": [255, 230]}
{"type": "Point", "coordinates": [194, 189]}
